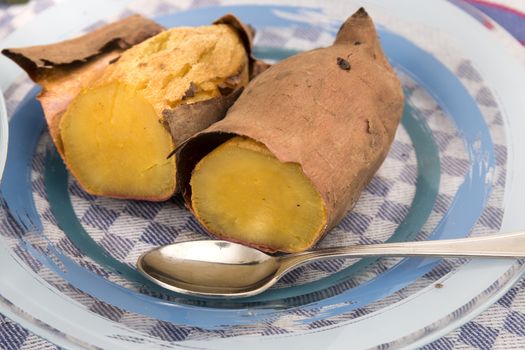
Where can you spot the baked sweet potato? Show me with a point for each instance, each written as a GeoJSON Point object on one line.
{"type": "Point", "coordinates": [296, 149]}
{"type": "Point", "coordinates": [119, 100]}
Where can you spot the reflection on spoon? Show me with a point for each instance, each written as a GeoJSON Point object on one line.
{"type": "Point", "coordinates": [215, 268]}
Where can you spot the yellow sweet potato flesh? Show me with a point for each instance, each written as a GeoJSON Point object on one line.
{"type": "Point", "coordinates": [242, 192]}
{"type": "Point", "coordinates": [115, 145]}
{"type": "Point", "coordinates": [165, 66]}
{"type": "Point", "coordinates": [113, 136]}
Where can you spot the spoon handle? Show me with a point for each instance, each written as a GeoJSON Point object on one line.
{"type": "Point", "coordinates": [506, 245]}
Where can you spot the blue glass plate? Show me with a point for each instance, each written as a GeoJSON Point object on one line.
{"type": "Point", "coordinates": [446, 176]}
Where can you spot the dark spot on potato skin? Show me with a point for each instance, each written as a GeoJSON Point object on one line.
{"type": "Point", "coordinates": [343, 64]}
{"type": "Point", "coordinates": [114, 60]}
{"type": "Point", "coordinates": [357, 43]}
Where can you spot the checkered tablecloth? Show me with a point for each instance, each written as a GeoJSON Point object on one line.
{"type": "Point", "coordinates": [500, 327]}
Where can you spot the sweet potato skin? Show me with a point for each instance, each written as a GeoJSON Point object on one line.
{"type": "Point", "coordinates": [334, 111]}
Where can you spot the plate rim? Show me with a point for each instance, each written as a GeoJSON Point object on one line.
{"type": "Point", "coordinates": [480, 309]}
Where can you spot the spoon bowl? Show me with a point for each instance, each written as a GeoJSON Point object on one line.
{"type": "Point", "coordinates": [215, 268]}
{"type": "Point", "coordinates": [209, 268]}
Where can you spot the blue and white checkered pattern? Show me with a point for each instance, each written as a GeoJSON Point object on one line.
{"type": "Point", "coordinates": [127, 228]}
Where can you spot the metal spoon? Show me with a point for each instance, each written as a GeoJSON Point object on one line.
{"type": "Point", "coordinates": [214, 268]}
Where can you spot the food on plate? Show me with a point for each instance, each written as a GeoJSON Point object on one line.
{"type": "Point", "coordinates": [64, 68]}
{"type": "Point", "coordinates": [119, 100]}
{"type": "Point", "coordinates": [115, 141]}
{"type": "Point", "coordinates": [296, 149]}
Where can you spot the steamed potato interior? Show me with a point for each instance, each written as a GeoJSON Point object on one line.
{"type": "Point", "coordinates": [241, 191]}
{"type": "Point", "coordinates": [166, 66]}
{"type": "Point", "coordinates": [115, 145]}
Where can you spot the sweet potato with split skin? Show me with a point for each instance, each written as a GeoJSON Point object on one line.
{"type": "Point", "coordinates": [64, 68]}
{"type": "Point", "coordinates": [294, 152]}
{"type": "Point", "coordinates": [115, 141]}
{"type": "Point", "coordinates": [120, 99]}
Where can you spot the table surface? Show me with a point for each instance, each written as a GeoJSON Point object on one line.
{"type": "Point", "coordinates": [502, 326]}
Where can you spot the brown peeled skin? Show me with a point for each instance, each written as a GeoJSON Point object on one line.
{"type": "Point", "coordinates": [70, 71]}
{"type": "Point", "coordinates": [332, 111]}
